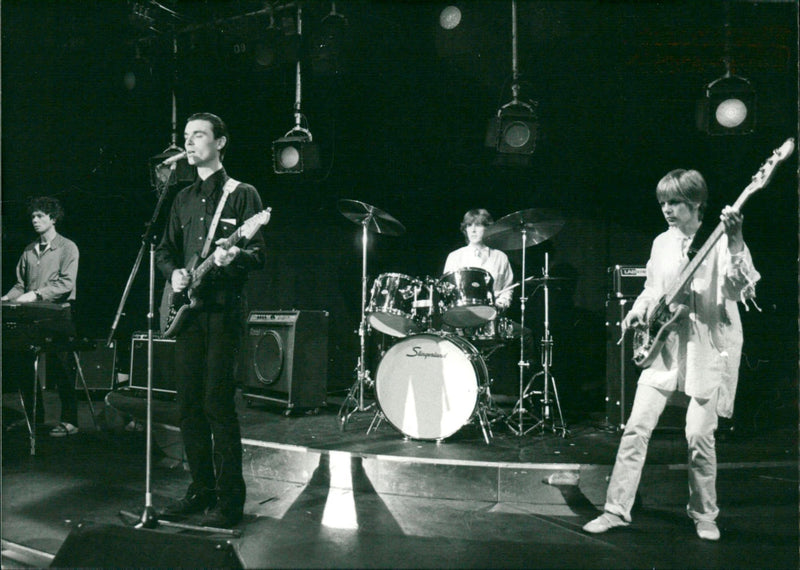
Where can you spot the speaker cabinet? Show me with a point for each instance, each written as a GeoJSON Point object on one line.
{"type": "Point", "coordinates": [99, 367]}
{"type": "Point", "coordinates": [109, 546]}
{"type": "Point", "coordinates": [621, 372]}
{"type": "Point", "coordinates": [163, 364]}
{"type": "Point", "coordinates": [285, 358]}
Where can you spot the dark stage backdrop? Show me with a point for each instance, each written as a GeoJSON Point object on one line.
{"type": "Point", "coordinates": [401, 126]}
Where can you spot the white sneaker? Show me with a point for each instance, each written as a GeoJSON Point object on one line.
{"type": "Point", "coordinates": [707, 530]}
{"type": "Point", "coordinates": [604, 522]}
{"type": "Point", "coordinates": [63, 429]}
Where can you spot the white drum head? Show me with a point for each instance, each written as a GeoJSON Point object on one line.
{"type": "Point", "coordinates": [427, 386]}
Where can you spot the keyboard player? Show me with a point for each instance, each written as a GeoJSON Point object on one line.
{"type": "Point", "coordinates": [46, 274]}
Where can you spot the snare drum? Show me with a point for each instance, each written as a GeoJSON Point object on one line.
{"type": "Point", "coordinates": [391, 306]}
{"type": "Point", "coordinates": [467, 297]}
{"type": "Point", "coordinates": [427, 384]}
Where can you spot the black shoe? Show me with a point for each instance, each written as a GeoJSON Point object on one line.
{"type": "Point", "coordinates": [194, 502]}
{"type": "Point", "coordinates": [219, 517]}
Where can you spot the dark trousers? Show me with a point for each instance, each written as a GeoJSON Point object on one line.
{"type": "Point", "coordinates": [205, 352]}
{"type": "Point", "coordinates": [18, 374]}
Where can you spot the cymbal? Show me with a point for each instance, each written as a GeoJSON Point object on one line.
{"type": "Point", "coordinates": [538, 281]}
{"type": "Point", "coordinates": [539, 225]}
{"type": "Point", "coordinates": [548, 279]}
{"type": "Point", "coordinates": [375, 219]}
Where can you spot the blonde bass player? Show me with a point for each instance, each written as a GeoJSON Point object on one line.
{"type": "Point", "coordinates": [699, 357]}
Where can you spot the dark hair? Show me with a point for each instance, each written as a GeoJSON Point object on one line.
{"type": "Point", "coordinates": [47, 204]}
{"type": "Point", "coordinates": [218, 126]}
{"type": "Point", "coordinates": [687, 186]}
{"type": "Point", "coordinates": [476, 216]}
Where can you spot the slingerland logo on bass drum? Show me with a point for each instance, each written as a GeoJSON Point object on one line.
{"type": "Point", "coordinates": [417, 352]}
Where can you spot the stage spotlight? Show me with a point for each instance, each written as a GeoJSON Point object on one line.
{"type": "Point", "coordinates": [295, 153]}
{"type": "Point", "coordinates": [727, 107]}
{"type": "Point", "coordinates": [514, 130]}
{"type": "Point", "coordinates": [450, 17]}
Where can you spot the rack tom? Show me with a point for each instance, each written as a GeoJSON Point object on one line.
{"type": "Point", "coordinates": [467, 297]}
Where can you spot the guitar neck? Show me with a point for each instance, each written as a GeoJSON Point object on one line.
{"type": "Point", "coordinates": [208, 262]}
{"type": "Point", "coordinates": [677, 289]}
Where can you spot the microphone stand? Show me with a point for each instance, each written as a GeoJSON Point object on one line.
{"type": "Point", "coordinates": [149, 518]}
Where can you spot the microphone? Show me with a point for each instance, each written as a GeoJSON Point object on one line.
{"type": "Point", "coordinates": [172, 159]}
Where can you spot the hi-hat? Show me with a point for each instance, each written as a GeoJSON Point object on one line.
{"type": "Point", "coordinates": [375, 219]}
{"type": "Point", "coordinates": [538, 224]}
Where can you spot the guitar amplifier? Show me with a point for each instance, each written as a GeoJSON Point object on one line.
{"type": "Point", "coordinates": [285, 358]}
{"type": "Point", "coordinates": [163, 364]}
{"type": "Point", "coordinates": [626, 281]}
{"type": "Point", "coordinates": [621, 373]}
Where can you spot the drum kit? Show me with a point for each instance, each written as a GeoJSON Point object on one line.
{"type": "Point", "coordinates": [433, 379]}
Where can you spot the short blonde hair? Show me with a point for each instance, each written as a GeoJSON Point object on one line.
{"type": "Point", "coordinates": [685, 186]}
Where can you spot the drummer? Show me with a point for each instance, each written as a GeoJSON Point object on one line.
{"type": "Point", "coordinates": [478, 254]}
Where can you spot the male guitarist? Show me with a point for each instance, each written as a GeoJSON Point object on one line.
{"type": "Point", "coordinates": [202, 215]}
{"type": "Point", "coordinates": [700, 358]}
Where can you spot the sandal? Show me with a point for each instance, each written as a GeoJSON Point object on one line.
{"type": "Point", "coordinates": [64, 429]}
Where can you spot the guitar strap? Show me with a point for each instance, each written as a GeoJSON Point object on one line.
{"type": "Point", "coordinates": [700, 237]}
{"type": "Point", "coordinates": [228, 188]}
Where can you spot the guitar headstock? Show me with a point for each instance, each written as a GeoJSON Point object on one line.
{"type": "Point", "coordinates": [252, 224]}
{"type": "Point", "coordinates": [764, 174]}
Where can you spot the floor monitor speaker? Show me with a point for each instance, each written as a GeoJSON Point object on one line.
{"type": "Point", "coordinates": [110, 546]}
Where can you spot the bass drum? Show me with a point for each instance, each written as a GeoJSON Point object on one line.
{"type": "Point", "coordinates": [427, 385]}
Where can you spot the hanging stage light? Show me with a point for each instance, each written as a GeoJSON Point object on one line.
{"type": "Point", "coordinates": [295, 152]}
{"type": "Point", "coordinates": [728, 106]}
{"type": "Point", "coordinates": [515, 128]}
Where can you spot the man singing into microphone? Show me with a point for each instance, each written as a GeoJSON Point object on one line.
{"type": "Point", "coordinates": [207, 342]}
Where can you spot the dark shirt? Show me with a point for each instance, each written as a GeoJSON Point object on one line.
{"type": "Point", "coordinates": [190, 219]}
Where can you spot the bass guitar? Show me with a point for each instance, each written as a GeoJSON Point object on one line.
{"type": "Point", "coordinates": [649, 337]}
{"type": "Point", "coordinates": [175, 307]}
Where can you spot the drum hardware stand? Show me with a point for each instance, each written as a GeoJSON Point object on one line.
{"type": "Point", "coordinates": [354, 402]}
{"type": "Point", "coordinates": [369, 218]}
{"type": "Point", "coordinates": [519, 408]}
{"type": "Point", "coordinates": [547, 420]}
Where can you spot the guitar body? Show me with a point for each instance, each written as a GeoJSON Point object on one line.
{"type": "Point", "coordinates": [648, 339]}
{"type": "Point", "coordinates": [175, 307]}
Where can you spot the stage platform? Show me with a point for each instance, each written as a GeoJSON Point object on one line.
{"type": "Point", "coordinates": [284, 446]}
{"type": "Point", "coordinates": [323, 496]}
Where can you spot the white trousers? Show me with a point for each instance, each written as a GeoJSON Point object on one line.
{"type": "Point", "coordinates": [701, 421]}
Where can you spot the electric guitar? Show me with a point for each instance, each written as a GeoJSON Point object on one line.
{"type": "Point", "coordinates": [175, 307]}
{"type": "Point", "coordinates": [665, 316]}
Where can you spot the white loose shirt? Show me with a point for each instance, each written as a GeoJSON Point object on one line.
{"type": "Point", "coordinates": [496, 263]}
{"type": "Point", "coordinates": [702, 355]}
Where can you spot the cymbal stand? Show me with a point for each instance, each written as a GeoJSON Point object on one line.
{"type": "Point", "coordinates": [519, 408]}
{"type": "Point", "coordinates": [354, 402]}
{"type": "Point", "coordinates": [546, 421]}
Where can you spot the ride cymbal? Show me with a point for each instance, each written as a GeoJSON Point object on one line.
{"type": "Point", "coordinates": [538, 225]}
